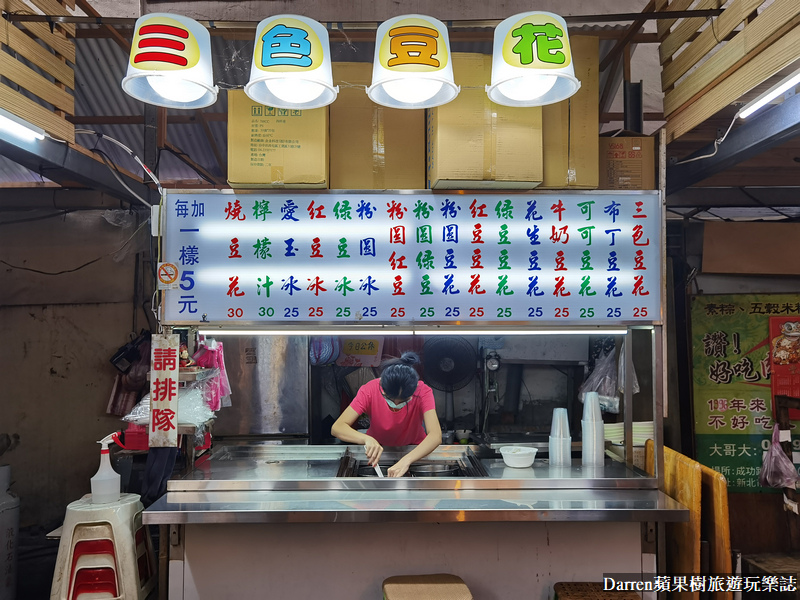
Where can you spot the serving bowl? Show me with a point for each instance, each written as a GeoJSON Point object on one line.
{"type": "Point", "coordinates": [518, 456]}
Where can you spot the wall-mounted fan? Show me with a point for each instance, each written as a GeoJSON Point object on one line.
{"type": "Point", "coordinates": [450, 363]}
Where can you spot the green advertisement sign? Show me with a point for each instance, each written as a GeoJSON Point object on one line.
{"type": "Point", "coordinates": [731, 379]}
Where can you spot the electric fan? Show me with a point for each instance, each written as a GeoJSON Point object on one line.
{"type": "Point", "coordinates": [450, 364]}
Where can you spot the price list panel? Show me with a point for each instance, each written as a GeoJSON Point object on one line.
{"type": "Point", "coordinates": [578, 258]}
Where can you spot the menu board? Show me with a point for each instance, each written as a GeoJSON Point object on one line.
{"type": "Point", "coordinates": [413, 258]}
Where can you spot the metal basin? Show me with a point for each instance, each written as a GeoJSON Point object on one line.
{"type": "Point", "coordinates": [434, 470]}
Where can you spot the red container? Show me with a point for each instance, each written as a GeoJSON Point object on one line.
{"type": "Point", "coordinates": [136, 437]}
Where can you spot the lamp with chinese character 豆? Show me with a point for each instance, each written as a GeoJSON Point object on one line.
{"type": "Point", "coordinates": [170, 63]}
{"type": "Point", "coordinates": [412, 66]}
{"type": "Point", "coordinates": [532, 61]}
{"type": "Point", "coordinates": [291, 65]}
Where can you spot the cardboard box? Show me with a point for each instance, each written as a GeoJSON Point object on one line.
{"type": "Point", "coordinates": [372, 147]}
{"type": "Point", "coordinates": [476, 144]}
{"type": "Point", "coordinates": [570, 128]}
{"type": "Point", "coordinates": [627, 163]}
{"type": "Point", "coordinates": [276, 148]}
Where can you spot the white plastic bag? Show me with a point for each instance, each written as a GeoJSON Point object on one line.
{"type": "Point", "coordinates": [608, 380]}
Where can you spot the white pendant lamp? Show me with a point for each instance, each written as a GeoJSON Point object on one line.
{"type": "Point", "coordinates": [291, 65]}
{"type": "Point", "coordinates": [532, 61]}
{"type": "Point", "coordinates": [412, 66]}
{"type": "Point", "coordinates": [170, 63]}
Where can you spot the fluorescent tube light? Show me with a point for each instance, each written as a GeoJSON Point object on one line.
{"type": "Point", "coordinates": [778, 89]}
{"type": "Point", "coordinates": [19, 127]}
{"type": "Point", "coordinates": [420, 331]}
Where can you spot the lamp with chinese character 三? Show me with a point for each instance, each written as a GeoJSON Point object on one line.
{"type": "Point", "coordinates": [412, 66]}
{"type": "Point", "coordinates": [170, 63]}
{"type": "Point", "coordinates": [291, 65]}
{"type": "Point", "coordinates": [532, 61]}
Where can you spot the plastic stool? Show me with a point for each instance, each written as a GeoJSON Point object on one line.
{"type": "Point", "coordinates": [440, 586]}
{"type": "Point", "coordinates": [105, 552]}
{"type": "Point", "coordinates": [573, 590]}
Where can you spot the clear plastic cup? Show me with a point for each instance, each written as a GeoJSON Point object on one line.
{"type": "Point", "coordinates": [593, 442]}
{"type": "Point", "coordinates": [560, 451]}
{"type": "Point", "coordinates": [559, 428]}
{"type": "Point", "coordinates": [591, 407]}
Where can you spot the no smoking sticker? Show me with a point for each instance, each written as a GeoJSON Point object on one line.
{"type": "Point", "coordinates": [167, 276]}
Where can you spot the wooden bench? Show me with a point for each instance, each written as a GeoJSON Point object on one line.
{"type": "Point", "coordinates": [440, 586]}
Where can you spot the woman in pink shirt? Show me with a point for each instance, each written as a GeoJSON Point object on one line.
{"type": "Point", "coordinates": [398, 405]}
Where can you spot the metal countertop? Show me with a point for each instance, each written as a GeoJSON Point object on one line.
{"type": "Point", "coordinates": [350, 506]}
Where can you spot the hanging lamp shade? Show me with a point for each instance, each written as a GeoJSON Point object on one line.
{"type": "Point", "coordinates": [412, 66]}
{"type": "Point", "coordinates": [291, 65]}
{"type": "Point", "coordinates": [532, 61]}
{"type": "Point", "coordinates": [170, 63]}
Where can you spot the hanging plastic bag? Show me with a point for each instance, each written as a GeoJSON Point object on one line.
{"type": "Point", "coordinates": [777, 470]}
{"type": "Point", "coordinates": [621, 375]}
{"type": "Point", "coordinates": [603, 380]}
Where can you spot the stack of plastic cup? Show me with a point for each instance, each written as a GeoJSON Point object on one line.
{"type": "Point", "coordinates": [593, 433]}
{"type": "Point", "coordinates": [560, 441]}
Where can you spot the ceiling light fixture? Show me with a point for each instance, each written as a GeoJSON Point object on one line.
{"type": "Point", "coordinates": [291, 65]}
{"type": "Point", "coordinates": [170, 63]}
{"type": "Point", "coordinates": [532, 61]}
{"type": "Point", "coordinates": [413, 67]}
{"type": "Point", "coordinates": [19, 126]}
{"type": "Point", "coordinates": [780, 88]}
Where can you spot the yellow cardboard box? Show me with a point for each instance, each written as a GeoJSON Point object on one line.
{"type": "Point", "coordinates": [627, 163]}
{"type": "Point", "coordinates": [276, 148]}
{"type": "Point", "coordinates": [372, 147]}
{"type": "Point", "coordinates": [570, 128]}
{"type": "Point", "coordinates": [474, 143]}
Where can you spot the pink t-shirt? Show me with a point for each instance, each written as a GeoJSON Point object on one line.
{"type": "Point", "coordinates": [389, 428]}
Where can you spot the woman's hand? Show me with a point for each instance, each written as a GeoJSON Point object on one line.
{"type": "Point", "coordinates": [373, 450]}
{"type": "Point", "coordinates": [398, 469]}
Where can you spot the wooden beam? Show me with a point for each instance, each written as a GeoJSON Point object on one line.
{"type": "Point", "coordinates": [36, 114]}
{"type": "Point", "coordinates": [776, 56]}
{"type": "Point", "coordinates": [26, 46]}
{"type": "Point", "coordinates": [55, 39]}
{"type": "Point", "coordinates": [122, 41]}
{"type": "Point", "coordinates": [624, 41]}
{"type": "Point", "coordinates": [183, 157]}
{"type": "Point", "coordinates": [51, 7]}
{"type": "Point", "coordinates": [776, 20]}
{"type": "Point", "coordinates": [610, 87]}
{"type": "Point", "coordinates": [663, 25]}
{"type": "Point", "coordinates": [706, 41]}
{"type": "Point", "coordinates": [38, 85]}
{"type": "Point", "coordinates": [618, 116]}
{"type": "Point", "coordinates": [139, 119]}
{"type": "Point", "coordinates": [685, 30]}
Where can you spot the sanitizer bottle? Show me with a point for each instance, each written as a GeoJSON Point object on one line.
{"type": "Point", "coordinates": [105, 483]}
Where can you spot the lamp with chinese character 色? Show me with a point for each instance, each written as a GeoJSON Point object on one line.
{"type": "Point", "coordinates": [532, 61]}
{"type": "Point", "coordinates": [412, 66]}
{"type": "Point", "coordinates": [170, 63]}
{"type": "Point", "coordinates": [291, 65]}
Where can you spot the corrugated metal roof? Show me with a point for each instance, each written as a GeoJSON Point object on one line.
{"type": "Point", "coordinates": [101, 65]}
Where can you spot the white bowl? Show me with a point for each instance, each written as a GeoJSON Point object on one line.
{"type": "Point", "coordinates": [518, 456]}
{"type": "Point", "coordinates": [462, 434]}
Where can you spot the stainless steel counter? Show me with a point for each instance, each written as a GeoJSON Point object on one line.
{"type": "Point", "coordinates": [266, 483]}
{"type": "Point", "coordinates": [350, 506]}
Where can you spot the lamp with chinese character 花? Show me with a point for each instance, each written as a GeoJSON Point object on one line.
{"type": "Point", "coordinates": [532, 61]}
{"type": "Point", "coordinates": [170, 63]}
{"type": "Point", "coordinates": [291, 65]}
{"type": "Point", "coordinates": [412, 66]}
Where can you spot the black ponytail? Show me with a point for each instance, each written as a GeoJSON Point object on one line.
{"type": "Point", "coordinates": [399, 379]}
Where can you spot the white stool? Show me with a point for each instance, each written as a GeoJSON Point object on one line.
{"type": "Point", "coordinates": [105, 552]}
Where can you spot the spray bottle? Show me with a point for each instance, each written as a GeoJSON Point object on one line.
{"type": "Point", "coordinates": [106, 482]}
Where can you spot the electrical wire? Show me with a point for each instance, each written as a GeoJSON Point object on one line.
{"type": "Point", "coordinates": [61, 213]}
{"type": "Point", "coordinates": [717, 142]}
{"type": "Point", "coordinates": [86, 264]}
{"type": "Point", "coordinates": [133, 155]}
